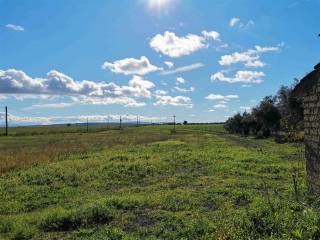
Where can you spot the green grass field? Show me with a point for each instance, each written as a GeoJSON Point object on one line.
{"type": "Point", "coordinates": [149, 183]}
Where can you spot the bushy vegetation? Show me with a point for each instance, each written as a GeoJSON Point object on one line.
{"type": "Point", "coordinates": [277, 113]}
{"type": "Point", "coordinates": [147, 183]}
{"type": "Point", "coordinates": [66, 220]}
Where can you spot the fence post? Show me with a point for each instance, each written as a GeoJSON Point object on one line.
{"type": "Point", "coordinates": [87, 124]}
{"type": "Point", "coordinates": [6, 121]}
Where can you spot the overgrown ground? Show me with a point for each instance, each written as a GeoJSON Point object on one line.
{"type": "Point", "coordinates": [147, 183]}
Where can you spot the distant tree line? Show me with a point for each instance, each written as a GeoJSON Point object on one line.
{"type": "Point", "coordinates": [281, 113]}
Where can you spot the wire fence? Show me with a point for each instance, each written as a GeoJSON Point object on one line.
{"type": "Point", "coordinates": [22, 122]}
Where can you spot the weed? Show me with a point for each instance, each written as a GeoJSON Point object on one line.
{"type": "Point", "coordinates": [146, 183]}
{"type": "Point", "coordinates": [66, 220]}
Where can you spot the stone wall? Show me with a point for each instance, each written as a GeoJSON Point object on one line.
{"type": "Point", "coordinates": [311, 104]}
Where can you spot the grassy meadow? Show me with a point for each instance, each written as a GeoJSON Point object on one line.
{"type": "Point", "coordinates": [149, 183]}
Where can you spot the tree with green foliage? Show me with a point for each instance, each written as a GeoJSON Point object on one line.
{"type": "Point", "coordinates": [290, 108]}
{"type": "Point", "coordinates": [267, 116]}
{"type": "Point", "coordinates": [234, 124]}
{"type": "Point", "coordinates": [280, 112]}
{"type": "Point", "coordinates": [249, 124]}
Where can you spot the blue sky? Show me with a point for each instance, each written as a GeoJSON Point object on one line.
{"type": "Point", "coordinates": [64, 61]}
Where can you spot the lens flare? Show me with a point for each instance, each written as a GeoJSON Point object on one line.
{"type": "Point", "coordinates": [159, 6]}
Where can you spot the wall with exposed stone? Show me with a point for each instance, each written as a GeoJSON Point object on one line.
{"type": "Point", "coordinates": [311, 104]}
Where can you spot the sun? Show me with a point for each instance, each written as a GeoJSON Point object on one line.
{"type": "Point", "coordinates": [159, 6]}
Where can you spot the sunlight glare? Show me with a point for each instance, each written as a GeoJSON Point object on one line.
{"type": "Point", "coordinates": [159, 5]}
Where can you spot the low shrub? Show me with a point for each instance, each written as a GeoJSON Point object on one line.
{"type": "Point", "coordinates": [5, 226]}
{"type": "Point", "coordinates": [65, 220]}
{"type": "Point", "coordinates": [23, 233]}
{"type": "Point", "coordinates": [181, 227]}
{"type": "Point", "coordinates": [16, 231]}
{"type": "Point", "coordinates": [107, 233]}
{"type": "Point", "coordinates": [294, 137]}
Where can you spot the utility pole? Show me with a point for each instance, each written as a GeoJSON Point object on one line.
{"type": "Point", "coordinates": [6, 121]}
{"type": "Point", "coordinates": [108, 122]}
{"type": "Point", "coordinates": [87, 124]}
{"type": "Point", "coordinates": [120, 122]}
{"type": "Point", "coordinates": [137, 120]}
{"type": "Point", "coordinates": [174, 122]}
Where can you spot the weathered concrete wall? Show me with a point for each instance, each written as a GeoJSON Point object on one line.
{"type": "Point", "coordinates": [311, 104]}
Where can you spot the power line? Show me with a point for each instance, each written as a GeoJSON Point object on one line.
{"type": "Point", "coordinates": [26, 116]}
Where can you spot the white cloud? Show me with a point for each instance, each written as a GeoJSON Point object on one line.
{"type": "Point", "coordinates": [184, 90]}
{"type": "Point", "coordinates": [140, 87]}
{"type": "Point", "coordinates": [249, 23]}
{"type": "Point", "coordinates": [129, 66]}
{"type": "Point", "coordinates": [246, 109]}
{"type": "Point", "coordinates": [220, 106]}
{"type": "Point", "coordinates": [75, 119]}
{"type": "Point", "coordinates": [22, 97]}
{"type": "Point", "coordinates": [174, 101]}
{"type": "Point", "coordinates": [293, 4]}
{"type": "Point", "coordinates": [2, 97]}
{"type": "Point", "coordinates": [14, 27]}
{"type": "Point", "coordinates": [250, 58]}
{"type": "Point", "coordinates": [163, 83]}
{"type": "Point", "coordinates": [181, 80]}
{"type": "Point", "coordinates": [174, 46]}
{"type": "Point", "coordinates": [248, 77]}
{"type": "Point", "coordinates": [49, 105]}
{"type": "Point", "coordinates": [219, 97]}
{"type": "Point", "coordinates": [18, 83]}
{"type": "Point", "coordinates": [171, 45]}
{"type": "Point", "coordinates": [183, 69]}
{"type": "Point", "coordinates": [213, 34]}
{"type": "Point", "coordinates": [233, 21]}
{"type": "Point", "coordinates": [236, 22]}
{"type": "Point", "coordinates": [124, 101]}
{"type": "Point", "coordinates": [161, 92]}
{"type": "Point", "coordinates": [169, 64]}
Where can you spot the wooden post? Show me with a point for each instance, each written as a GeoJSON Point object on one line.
{"type": "Point", "coordinates": [87, 124]}
{"type": "Point", "coordinates": [6, 121]}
